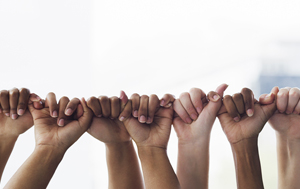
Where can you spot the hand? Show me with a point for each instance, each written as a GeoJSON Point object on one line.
{"type": "Point", "coordinates": [243, 117]}
{"type": "Point", "coordinates": [150, 125]}
{"type": "Point", "coordinates": [15, 119]}
{"type": "Point", "coordinates": [195, 115]}
{"type": "Point", "coordinates": [106, 125]}
{"type": "Point", "coordinates": [286, 120]}
{"type": "Point", "coordinates": [74, 118]}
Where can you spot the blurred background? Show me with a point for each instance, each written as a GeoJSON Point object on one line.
{"type": "Point", "coordinates": [92, 48]}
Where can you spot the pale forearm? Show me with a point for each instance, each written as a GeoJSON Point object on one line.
{"type": "Point", "coordinates": [123, 166]}
{"type": "Point", "coordinates": [247, 164]}
{"type": "Point", "coordinates": [157, 170]}
{"type": "Point", "coordinates": [6, 147]}
{"type": "Point", "coordinates": [193, 165]}
{"type": "Point", "coordinates": [288, 152]}
{"type": "Point", "coordinates": [37, 170]}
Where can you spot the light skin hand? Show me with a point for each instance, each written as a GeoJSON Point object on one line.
{"type": "Point", "coordinates": [285, 121]}
{"type": "Point", "coordinates": [193, 121]}
{"type": "Point", "coordinates": [122, 163]}
{"type": "Point", "coordinates": [242, 118]}
{"type": "Point", "coordinates": [52, 140]}
{"type": "Point", "coordinates": [15, 119]}
{"type": "Point", "coordinates": [150, 127]}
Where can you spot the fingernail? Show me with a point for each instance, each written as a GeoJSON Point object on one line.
{"type": "Point", "coordinates": [61, 122]}
{"type": "Point", "coordinates": [7, 114]}
{"type": "Point", "coordinates": [162, 103]}
{"type": "Point", "coordinates": [20, 112]}
{"type": "Point", "coordinates": [54, 113]}
{"type": "Point", "coordinates": [99, 115]}
{"type": "Point", "coordinates": [250, 112]}
{"type": "Point", "coordinates": [148, 120]}
{"type": "Point", "coordinates": [288, 112]}
{"type": "Point", "coordinates": [216, 97]}
{"type": "Point", "coordinates": [135, 113]}
{"type": "Point", "coordinates": [236, 119]}
{"type": "Point", "coordinates": [69, 112]}
{"type": "Point", "coordinates": [188, 120]}
{"type": "Point", "coordinates": [14, 116]}
{"type": "Point", "coordinates": [122, 118]}
{"type": "Point", "coordinates": [142, 119]}
{"type": "Point", "coordinates": [199, 110]}
{"type": "Point", "coordinates": [194, 116]}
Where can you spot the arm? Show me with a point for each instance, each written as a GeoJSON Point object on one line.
{"type": "Point", "coordinates": [52, 141]}
{"type": "Point", "coordinates": [242, 119]}
{"type": "Point", "coordinates": [15, 119]}
{"type": "Point", "coordinates": [122, 163]}
{"type": "Point", "coordinates": [193, 122]}
{"type": "Point", "coordinates": [151, 132]}
{"type": "Point", "coordinates": [285, 121]}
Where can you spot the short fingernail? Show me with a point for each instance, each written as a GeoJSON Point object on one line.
{"type": "Point", "coordinates": [54, 113]}
{"type": "Point", "coordinates": [14, 116]}
{"type": "Point", "coordinates": [188, 120]}
{"type": "Point", "coordinates": [250, 112]}
{"type": "Point", "coordinates": [194, 116]}
{"type": "Point", "coordinates": [122, 118]}
{"type": "Point", "coordinates": [162, 103]}
{"type": "Point", "coordinates": [148, 120]}
{"type": "Point", "coordinates": [236, 119]}
{"type": "Point", "coordinates": [142, 119]}
{"type": "Point", "coordinates": [99, 115]}
{"type": "Point", "coordinates": [135, 113]}
{"type": "Point", "coordinates": [199, 110]}
{"type": "Point", "coordinates": [7, 114]}
{"type": "Point", "coordinates": [20, 111]}
{"type": "Point", "coordinates": [69, 112]}
{"type": "Point", "coordinates": [216, 97]}
{"type": "Point", "coordinates": [61, 122]}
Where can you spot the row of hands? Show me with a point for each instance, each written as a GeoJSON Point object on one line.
{"type": "Point", "coordinates": [148, 120]}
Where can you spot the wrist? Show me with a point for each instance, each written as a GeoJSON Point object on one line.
{"type": "Point", "coordinates": [151, 151]}
{"type": "Point", "coordinates": [49, 153]}
{"type": "Point", "coordinates": [245, 147]}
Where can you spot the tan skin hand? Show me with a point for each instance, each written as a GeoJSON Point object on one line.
{"type": "Point", "coordinates": [12, 103]}
{"type": "Point", "coordinates": [234, 120]}
{"type": "Point", "coordinates": [286, 119]}
{"type": "Point", "coordinates": [106, 125]}
{"type": "Point", "coordinates": [153, 126]}
{"type": "Point", "coordinates": [47, 129]}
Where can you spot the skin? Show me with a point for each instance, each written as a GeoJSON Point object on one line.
{"type": "Point", "coordinates": [193, 121]}
{"type": "Point", "coordinates": [52, 140]}
{"type": "Point", "coordinates": [285, 121]}
{"type": "Point", "coordinates": [242, 119]}
{"type": "Point", "coordinates": [122, 162]}
{"type": "Point", "coordinates": [15, 119]}
{"type": "Point", "coordinates": [150, 127]}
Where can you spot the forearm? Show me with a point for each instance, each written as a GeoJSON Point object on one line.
{"type": "Point", "coordinates": [37, 170]}
{"type": "Point", "coordinates": [247, 164]}
{"type": "Point", "coordinates": [288, 152]}
{"type": "Point", "coordinates": [6, 147]}
{"type": "Point", "coordinates": [193, 164]}
{"type": "Point", "coordinates": [157, 170]}
{"type": "Point", "coordinates": [123, 166]}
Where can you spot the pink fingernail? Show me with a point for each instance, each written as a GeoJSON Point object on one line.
{"type": "Point", "coordinates": [99, 115]}
{"type": "Point", "coordinates": [194, 116]}
{"type": "Point", "coordinates": [69, 112]}
{"type": "Point", "coordinates": [54, 113]}
{"type": "Point", "coordinates": [61, 122]}
{"type": "Point", "coordinates": [250, 112]}
{"type": "Point", "coordinates": [188, 120]}
{"type": "Point", "coordinates": [148, 120]}
{"type": "Point", "coordinates": [135, 113]}
{"type": "Point", "coordinates": [122, 118]}
{"type": "Point", "coordinates": [236, 119]}
{"type": "Point", "coordinates": [142, 119]}
{"type": "Point", "coordinates": [20, 112]}
{"type": "Point", "coordinates": [14, 116]}
{"type": "Point", "coordinates": [216, 97]}
{"type": "Point", "coordinates": [199, 110]}
{"type": "Point", "coordinates": [162, 103]}
{"type": "Point", "coordinates": [7, 114]}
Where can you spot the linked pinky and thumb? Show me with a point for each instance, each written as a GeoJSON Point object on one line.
{"type": "Point", "coordinates": [35, 102]}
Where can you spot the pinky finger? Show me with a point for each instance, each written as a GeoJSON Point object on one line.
{"type": "Point", "coordinates": [167, 100]}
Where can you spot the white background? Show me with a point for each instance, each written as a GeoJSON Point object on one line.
{"type": "Point", "coordinates": [91, 48]}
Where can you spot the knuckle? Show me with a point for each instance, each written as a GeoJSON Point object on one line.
{"type": "Point", "coordinates": [14, 92]}
{"type": "Point", "coordinates": [294, 92]}
{"type": "Point", "coordinates": [135, 95]}
{"type": "Point", "coordinates": [64, 98]}
{"type": "Point", "coordinates": [3, 93]}
{"type": "Point", "coordinates": [227, 98]}
{"type": "Point", "coordinates": [246, 90]}
{"type": "Point", "coordinates": [195, 90]}
{"type": "Point", "coordinates": [25, 91]}
{"type": "Point", "coordinates": [154, 96]}
{"type": "Point", "coordinates": [144, 97]}
{"type": "Point", "coordinates": [184, 95]}
{"type": "Point", "coordinates": [114, 99]}
{"type": "Point", "coordinates": [104, 99]}
{"type": "Point", "coordinates": [237, 96]}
